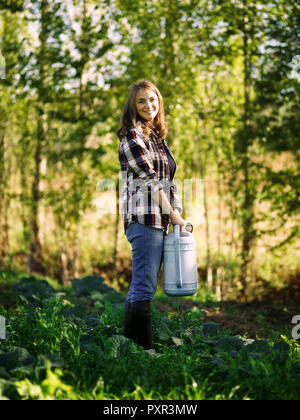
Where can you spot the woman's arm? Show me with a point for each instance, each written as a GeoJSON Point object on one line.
{"type": "Point", "coordinates": [175, 217]}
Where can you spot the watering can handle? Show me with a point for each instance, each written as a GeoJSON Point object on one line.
{"type": "Point", "coordinates": [177, 255]}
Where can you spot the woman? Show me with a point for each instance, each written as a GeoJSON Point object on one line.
{"type": "Point", "coordinates": [149, 201]}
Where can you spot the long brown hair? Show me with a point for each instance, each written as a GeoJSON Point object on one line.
{"type": "Point", "coordinates": [130, 118]}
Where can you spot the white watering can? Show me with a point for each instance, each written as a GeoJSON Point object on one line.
{"type": "Point", "coordinates": [180, 263]}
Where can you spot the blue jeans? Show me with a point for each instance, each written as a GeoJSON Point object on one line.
{"type": "Point", "coordinates": [147, 255]}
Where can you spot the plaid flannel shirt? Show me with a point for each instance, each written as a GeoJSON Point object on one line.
{"type": "Point", "coordinates": [145, 171]}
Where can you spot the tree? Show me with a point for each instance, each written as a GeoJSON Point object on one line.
{"type": "Point", "coordinates": [9, 49]}
{"type": "Point", "coordinates": [37, 74]}
{"type": "Point", "coordinates": [78, 111]}
{"type": "Point", "coordinates": [240, 35]}
{"type": "Point", "coordinates": [277, 121]}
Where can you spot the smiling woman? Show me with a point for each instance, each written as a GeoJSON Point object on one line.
{"type": "Point", "coordinates": [148, 167]}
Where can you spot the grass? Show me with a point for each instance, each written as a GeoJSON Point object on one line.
{"type": "Point", "coordinates": [69, 344]}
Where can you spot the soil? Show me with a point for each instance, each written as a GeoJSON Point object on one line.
{"type": "Point", "coordinates": [256, 319]}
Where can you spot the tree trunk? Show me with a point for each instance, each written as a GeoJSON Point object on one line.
{"type": "Point", "coordinates": [116, 239]}
{"type": "Point", "coordinates": [219, 189]}
{"type": "Point", "coordinates": [247, 205]}
{"type": "Point", "coordinates": [3, 242]}
{"type": "Point", "coordinates": [35, 257]}
{"type": "Point", "coordinates": [202, 173]}
{"type": "Point", "coordinates": [24, 195]}
{"type": "Point", "coordinates": [64, 271]}
{"type": "Point", "coordinates": [76, 254]}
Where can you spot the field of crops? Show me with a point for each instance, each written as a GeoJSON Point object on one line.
{"type": "Point", "coordinates": [69, 344]}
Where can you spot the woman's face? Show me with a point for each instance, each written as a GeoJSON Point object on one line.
{"type": "Point", "coordinates": [147, 104]}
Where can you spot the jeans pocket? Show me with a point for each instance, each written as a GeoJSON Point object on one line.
{"type": "Point", "coordinates": [130, 231]}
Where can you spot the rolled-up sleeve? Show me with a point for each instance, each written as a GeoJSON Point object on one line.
{"type": "Point", "coordinates": [137, 159]}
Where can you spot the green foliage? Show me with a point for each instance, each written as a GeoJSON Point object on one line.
{"type": "Point", "coordinates": [88, 284]}
{"type": "Point", "coordinates": [30, 289]}
{"type": "Point", "coordinates": [231, 105]}
{"type": "Point", "coordinates": [43, 330]}
{"type": "Point", "coordinates": [51, 388]}
{"type": "Point", "coordinates": [12, 5]}
{"type": "Point", "coordinates": [58, 348]}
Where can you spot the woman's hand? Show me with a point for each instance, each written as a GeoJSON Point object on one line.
{"type": "Point", "coordinates": [176, 219]}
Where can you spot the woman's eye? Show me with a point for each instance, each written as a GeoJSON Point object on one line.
{"type": "Point", "coordinates": [142, 101]}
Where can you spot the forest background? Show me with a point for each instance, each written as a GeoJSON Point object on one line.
{"type": "Point", "coordinates": [229, 73]}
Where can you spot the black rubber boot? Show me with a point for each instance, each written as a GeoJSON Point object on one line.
{"type": "Point", "coordinates": [141, 327]}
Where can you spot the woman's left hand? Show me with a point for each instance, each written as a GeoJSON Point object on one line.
{"type": "Point", "coordinates": [176, 219]}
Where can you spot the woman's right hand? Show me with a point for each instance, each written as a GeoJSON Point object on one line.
{"type": "Point", "coordinates": [176, 219]}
